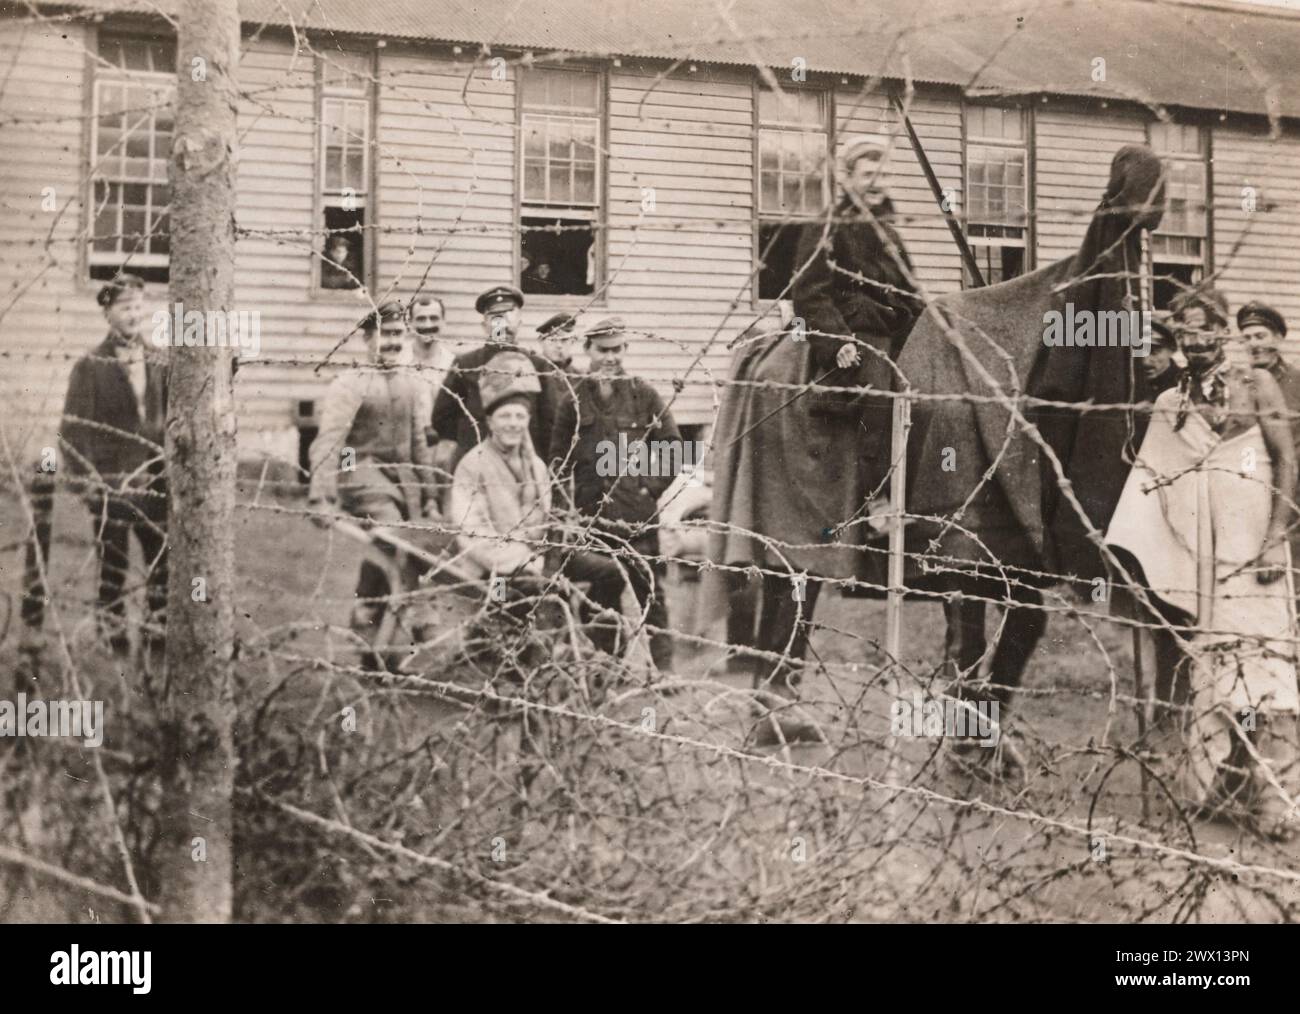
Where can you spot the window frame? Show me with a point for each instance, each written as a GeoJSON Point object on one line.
{"type": "Point", "coordinates": [97, 75]}
{"type": "Point", "coordinates": [759, 218]}
{"type": "Point", "coordinates": [599, 212]}
{"type": "Point", "coordinates": [1028, 240]}
{"type": "Point", "coordinates": [1206, 160]}
{"type": "Point", "coordinates": [320, 200]}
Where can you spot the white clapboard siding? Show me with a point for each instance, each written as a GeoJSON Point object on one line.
{"type": "Point", "coordinates": [446, 181]}
{"type": "Point", "coordinates": [47, 317]}
{"type": "Point", "coordinates": [1072, 166]}
{"type": "Point", "coordinates": [1257, 250]}
{"type": "Point", "coordinates": [676, 271]}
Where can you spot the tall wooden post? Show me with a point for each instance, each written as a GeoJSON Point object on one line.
{"type": "Point", "coordinates": [198, 709]}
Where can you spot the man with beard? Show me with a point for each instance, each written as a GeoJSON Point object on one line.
{"type": "Point", "coordinates": [1219, 458]}
{"type": "Point", "coordinates": [612, 411]}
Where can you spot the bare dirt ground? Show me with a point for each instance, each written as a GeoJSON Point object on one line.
{"type": "Point", "coordinates": [692, 821]}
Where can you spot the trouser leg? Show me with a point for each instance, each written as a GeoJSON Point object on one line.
{"type": "Point", "coordinates": [744, 595]}
{"type": "Point", "coordinates": [646, 575]}
{"type": "Point", "coordinates": [605, 582]}
{"type": "Point", "coordinates": [151, 532]}
{"type": "Point", "coordinates": [112, 543]}
{"type": "Point", "coordinates": [964, 642]}
{"type": "Point", "coordinates": [1024, 626]}
{"type": "Point", "coordinates": [1278, 744]}
{"type": "Point", "coordinates": [877, 410]}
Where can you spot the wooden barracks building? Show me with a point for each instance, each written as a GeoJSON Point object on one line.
{"type": "Point", "coordinates": [616, 157]}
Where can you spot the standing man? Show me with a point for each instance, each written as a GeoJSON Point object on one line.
{"type": "Point", "coordinates": [430, 354]}
{"type": "Point", "coordinates": [610, 404]}
{"type": "Point", "coordinates": [371, 459]}
{"type": "Point", "coordinates": [458, 419]}
{"type": "Point", "coordinates": [558, 335]}
{"type": "Point", "coordinates": [113, 433]}
{"type": "Point", "coordinates": [1263, 329]}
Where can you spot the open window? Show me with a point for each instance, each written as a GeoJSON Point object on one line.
{"type": "Point", "coordinates": [344, 169]}
{"type": "Point", "coordinates": [997, 190]}
{"type": "Point", "coordinates": [793, 179]}
{"type": "Point", "coordinates": [559, 210]}
{"type": "Point", "coordinates": [1178, 247]}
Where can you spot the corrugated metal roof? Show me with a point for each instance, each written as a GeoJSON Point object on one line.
{"type": "Point", "coordinates": [1223, 57]}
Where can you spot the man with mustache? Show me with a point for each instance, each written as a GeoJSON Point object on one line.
{"type": "Point", "coordinates": [372, 460]}
{"type": "Point", "coordinates": [1204, 516]}
{"type": "Point", "coordinates": [459, 422]}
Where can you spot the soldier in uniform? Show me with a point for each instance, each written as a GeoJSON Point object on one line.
{"type": "Point", "coordinates": [610, 404]}
{"type": "Point", "coordinates": [372, 460]}
{"type": "Point", "coordinates": [113, 428]}
{"type": "Point", "coordinates": [558, 335]}
{"type": "Point", "coordinates": [458, 419]}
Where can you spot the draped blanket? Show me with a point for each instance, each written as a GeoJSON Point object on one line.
{"type": "Point", "coordinates": [989, 489]}
{"type": "Point", "coordinates": [1193, 514]}
{"type": "Point", "coordinates": [794, 477]}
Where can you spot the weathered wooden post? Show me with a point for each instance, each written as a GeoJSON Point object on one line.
{"type": "Point", "coordinates": [197, 711]}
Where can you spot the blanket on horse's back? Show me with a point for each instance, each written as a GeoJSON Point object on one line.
{"type": "Point", "coordinates": [989, 343]}
{"type": "Point", "coordinates": [787, 490]}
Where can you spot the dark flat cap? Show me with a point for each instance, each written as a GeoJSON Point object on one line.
{"type": "Point", "coordinates": [497, 296]}
{"type": "Point", "coordinates": [610, 327]}
{"type": "Point", "coordinates": [557, 324]}
{"type": "Point", "coordinates": [391, 310]}
{"type": "Point", "coordinates": [1256, 312]}
{"type": "Point", "coordinates": [110, 291]}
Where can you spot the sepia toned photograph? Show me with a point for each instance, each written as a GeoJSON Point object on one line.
{"type": "Point", "coordinates": [650, 462]}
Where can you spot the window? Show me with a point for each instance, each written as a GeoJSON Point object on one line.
{"type": "Point", "coordinates": [344, 168]}
{"type": "Point", "coordinates": [1178, 247]}
{"type": "Point", "coordinates": [134, 98]}
{"type": "Point", "coordinates": [793, 182]}
{"type": "Point", "coordinates": [997, 190]}
{"type": "Point", "coordinates": [559, 208]}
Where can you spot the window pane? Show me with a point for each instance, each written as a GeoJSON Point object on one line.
{"type": "Point", "coordinates": [333, 169]}
{"type": "Point", "coordinates": [355, 171]}
{"type": "Point", "coordinates": [534, 138]}
{"type": "Point", "coordinates": [560, 187]}
{"type": "Point", "coordinates": [534, 180]}
{"type": "Point", "coordinates": [769, 150]}
{"type": "Point", "coordinates": [584, 185]}
{"type": "Point", "coordinates": [544, 88]}
{"type": "Point", "coordinates": [770, 197]}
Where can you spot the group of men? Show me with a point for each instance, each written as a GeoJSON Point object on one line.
{"type": "Point", "coordinates": [395, 446]}
{"type": "Point", "coordinates": [480, 443]}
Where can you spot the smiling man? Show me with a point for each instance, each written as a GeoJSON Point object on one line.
{"type": "Point", "coordinates": [372, 460]}
{"type": "Point", "coordinates": [113, 432]}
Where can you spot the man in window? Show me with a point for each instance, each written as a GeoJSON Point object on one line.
{"type": "Point", "coordinates": [613, 410]}
{"type": "Point", "coordinates": [371, 459]}
{"type": "Point", "coordinates": [112, 433]}
{"type": "Point", "coordinates": [458, 419]}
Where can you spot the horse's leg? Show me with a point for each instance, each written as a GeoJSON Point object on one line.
{"type": "Point", "coordinates": [783, 629]}
{"type": "Point", "coordinates": [964, 643]}
{"type": "Point", "coordinates": [1025, 623]}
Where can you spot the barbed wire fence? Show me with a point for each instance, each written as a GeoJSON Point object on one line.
{"type": "Point", "coordinates": [510, 770]}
